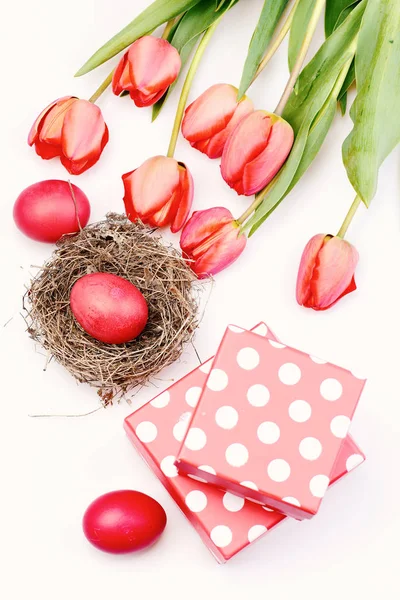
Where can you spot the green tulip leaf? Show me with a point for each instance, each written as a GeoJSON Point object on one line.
{"type": "Point", "coordinates": [335, 13]}
{"type": "Point", "coordinates": [186, 34]}
{"type": "Point", "coordinates": [310, 111]}
{"type": "Point", "coordinates": [153, 16]}
{"type": "Point", "coordinates": [271, 13]}
{"type": "Point", "coordinates": [301, 19]}
{"type": "Point", "coordinates": [376, 109]}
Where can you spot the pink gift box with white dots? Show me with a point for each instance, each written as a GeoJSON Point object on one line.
{"type": "Point", "coordinates": [225, 522]}
{"type": "Point", "coordinates": [270, 423]}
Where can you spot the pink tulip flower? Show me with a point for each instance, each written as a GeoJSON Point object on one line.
{"type": "Point", "coordinates": [159, 193]}
{"type": "Point", "coordinates": [326, 272]}
{"type": "Point", "coordinates": [209, 120]}
{"type": "Point", "coordinates": [72, 129]}
{"type": "Point", "coordinates": [255, 151]}
{"type": "Point", "coordinates": [211, 241]}
{"type": "Point", "coordinates": [146, 70]}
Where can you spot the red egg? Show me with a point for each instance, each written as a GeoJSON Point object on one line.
{"type": "Point", "coordinates": [124, 521]}
{"type": "Point", "coordinates": [109, 308]}
{"type": "Point", "coordinates": [45, 211]}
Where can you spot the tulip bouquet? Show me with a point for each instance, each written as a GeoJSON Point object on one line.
{"type": "Point", "coordinates": [263, 153]}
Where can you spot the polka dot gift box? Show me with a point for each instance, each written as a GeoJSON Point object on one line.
{"type": "Point", "coordinates": [270, 423]}
{"type": "Point", "coordinates": [226, 523]}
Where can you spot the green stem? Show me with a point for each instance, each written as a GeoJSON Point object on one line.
{"type": "Point", "coordinates": [349, 217]}
{"type": "Point", "coordinates": [169, 25]}
{"type": "Point", "coordinates": [187, 85]}
{"type": "Point", "coordinates": [277, 41]}
{"type": "Point", "coordinates": [312, 25]}
{"type": "Point", "coordinates": [102, 88]}
{"type": "Point", "coordinates": [256, 203]}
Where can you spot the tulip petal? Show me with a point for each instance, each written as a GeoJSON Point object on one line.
{"type": "Point", "coordinates": [225, 247]}
{"type": "Point", "coordinates": [306, 269]}
{"type": "Point", "coordinates": [153, 65]}
{"type": "Point", "coordinates": [210, 113]}
{"type": "Point", "coordinates": [259, 172]}
{"type": "Point", "coordinates": [143, 99]}
{"type": "Point", "coordinates": [152, 185]}
{"type": "Point", "coordinates": [34, 132]}
{"type": "Point", "coordinates": [84, 135]}
{"type": "Point", "coordinates": [245, 143]}
{"type": "Point", "coordinates": [121, 80]}
{"type": "Point", "coordinates": [47, 151]}
{"type": "Point", "coordinates": [50, 131]}
{"type": "Point", "coordinates": [184, 199]}
{"type": "Point", "coordinates": [217, 143]}
{"type": "Point", "coordinates": [201, 225]}
{"type": "Point", "coordinates": [333, 273]}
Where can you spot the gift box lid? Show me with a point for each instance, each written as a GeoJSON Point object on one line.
{"type": "Point", "coordinates": [226, 523]}
{"type": "Point", "coordinates": [270, 423]}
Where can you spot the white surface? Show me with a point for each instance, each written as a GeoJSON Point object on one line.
{"type": "Point", "coordinates": [52, 468]}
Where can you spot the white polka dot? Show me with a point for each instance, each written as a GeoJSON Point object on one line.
{"type": "Point", "coordinates": [261, 329]}
{"type": "Point", "coordinates": [268, 432]}
{"type": "Point", "coordinates": [232, 503]}
{"type": "Point", "coordinates": [146, 431]}
{"type": "Point", "coordinates": [168, 467]}
{"type": "Point", "coordinates": [179, 430]}
{"type": "Point", "coordinates": [217, 380]}
{"type": "Point", "coordinates": [300, 411]}
{"type": "Point", "coordinates": [319, 485]}
{"type": "Point", "coordinates": [331, 389]}
{"type": "Point", "coordinates": [192, 396]}
{"type": "Point", "coordinates": [291, 500]}
{"type": "Point", "coordinates": [196, 501]}
{"type": "Point", "coordinates": [289, 374]}
{"type": "Point", "coordinates": [196, 439]}
{"type": "Point", "coordinates": [359, 376]}
{"type": "Point", "coordinates": [340, 426]}
{"type": "Point", "coordinates": [255, 532]}
{"type": "Point", "coordinates": [353, 461]}
{"type": "Point", "coordinates": [278, 470]}
{"type": "Point", "coordinates": [237, 455]}
{"type": "Point", "coordinates": [248, 358]}
{"type": "Point", "coordinates": [221, 535]}
{"type": "Point", "coordinates": [249, 484]}
{"type": "Point", "coordinates": [162, 400]}
{"type": "Point", "coordinates": [206, 367]}
{"type": "Point", "coordinates": [235, 329]}
{"type": "Point", "coordinates": [226, 417]}
{"type": "Point", "coordinates": [207, 469]}
{"type": "Point", "coordinates": [276, 344]}
{"type": "Point", "coordinates": [319, 361]}
{"type": "Point", "coordinates": [310, 448]}
{"type": "Point", "coordinates": [258, 395]}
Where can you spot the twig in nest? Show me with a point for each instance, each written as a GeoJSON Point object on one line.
{"type": "Point", "coordinates": [132, 251]}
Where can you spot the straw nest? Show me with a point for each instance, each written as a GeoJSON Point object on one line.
{"type": "Point", "coordinates": [137, 253]}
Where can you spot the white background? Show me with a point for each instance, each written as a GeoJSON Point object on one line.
{"type": "Point", "coordinates": [52, 468]}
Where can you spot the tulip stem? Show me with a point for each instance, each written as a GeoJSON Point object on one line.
{"type": "Point", "coordinates": [168, 26]}
{"type": "Point", "coordinates": [312, 25]}
{"type": "Point", "coordinates": [277, 41]}
{"type": "Point", "coordinates": [102, 88]}
{"type": "Point", "coordinates": [349, 217]}
{"type": "Point", "coordinates": [187, 85]}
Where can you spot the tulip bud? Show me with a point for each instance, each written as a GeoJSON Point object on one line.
{"type": "Point", "coordinates": [209, 120]}
{"type": "Point", "coordinates": [211, 241]}
{"type": "Point", "coordinates": [72, 129]}
{"type": "Point", "coordinates": [255, 151]}
{"type": "Point", "coordinates": [146, 70]}
{"type": "Point", "coordinates": [159, 193]}
{"type": "Point", "coordinates": [326, 272]}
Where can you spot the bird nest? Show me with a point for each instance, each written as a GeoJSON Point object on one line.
{"type": "Point", "coordinates": [137, 253]}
